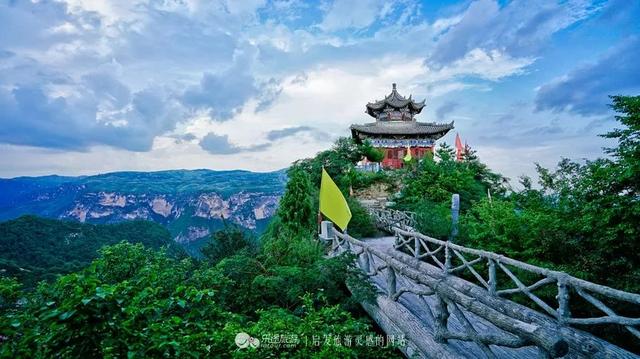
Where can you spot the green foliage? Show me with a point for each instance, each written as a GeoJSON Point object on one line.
{"type": "Point", "coordinates": [627, 153]}
{"type": "Point", "coordinates": [592, 208]}
{"type": "Point", "coordinates": [598, 214]}
{"type": "Point", "coordinates": [527, 233]}
{"type": "Point", "coordinates": [338, 162]}
{"type": "Point", "coordinates": [35, 249]}
{"type": "Point", "coordinates": [296, 208]}
{"type": "Point", "coordinates": [361, 224]}
{"type": "Point", "coordinates": [294, 264]}
{"type": "Point", "coordinates": [137, 302]}
{"type": "Point", "coordinates": [435, 181]}
{"type": "Point", "coordinates": [319, 323]}
{"type": "Point", "coordinates": [295, 212]}
{"type": "Point", "coordinates": [131, 302]}
{"type": "Point", "coordinates": [583, 219]}
{"type": "Point", "coordinates": [371, 153]}
{"type": "Point", "coordinates": [433, 218]}
{"type": "Point", "coordinates": [228, 241]}
{"type": "Point", "coordinates": [9, 293]}
{"type": "Point", "coordinates": [362, 179]}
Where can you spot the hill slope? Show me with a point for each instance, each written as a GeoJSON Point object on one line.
{"type": "Point", "coordinates": [34, 249]}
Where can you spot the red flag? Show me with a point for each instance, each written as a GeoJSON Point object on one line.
{"type": "Point", "coordinates": [459, 148]}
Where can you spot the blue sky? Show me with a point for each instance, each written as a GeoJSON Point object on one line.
{"type": "Point", "coordinates": [97, 86]}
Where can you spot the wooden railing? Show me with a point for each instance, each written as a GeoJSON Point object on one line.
{"type": "Point", "coordinates": [515, 332]}
{"type": "Point", "coordinates": [388, 218]}
{"type": "Point", "coordinates": [501, 277]}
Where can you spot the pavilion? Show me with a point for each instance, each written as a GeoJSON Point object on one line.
{"type": "Point", "coordinates": [396, 128]}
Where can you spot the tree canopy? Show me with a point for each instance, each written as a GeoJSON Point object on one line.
{"type": "Point", "coordinates": [35, 249]}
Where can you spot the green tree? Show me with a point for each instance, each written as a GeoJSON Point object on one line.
{"type": "Point", "coordinates": [140, 303]}
{"type": "Point", "coordinates": [361, 224]}
{"type": "Point", "coordinates": [296, 208]}
{"type": "Point", "coordinates": [371, 153]}
{"type": "Point", "coordinates": [337, 161]}
{"type": "Point", "coordinates": [34, 249]}
{"type": "Point", "coordinates": [627, 153]}
{"type": "Point", "coordinates": [228, 241]}
{"type": "Point", "coordinates": [435, 181]}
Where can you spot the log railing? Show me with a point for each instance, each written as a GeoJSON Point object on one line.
{"type": "Point", "coordinates": [514, 333]}
{"type": "Point", "coordinates": [503, 277]}
{"type": "Point", "coordinates": [389, 218]}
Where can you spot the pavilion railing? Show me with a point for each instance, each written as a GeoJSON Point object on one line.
{"type": "Point", "coordinates": [504, 277]}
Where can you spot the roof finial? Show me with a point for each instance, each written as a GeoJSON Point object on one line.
{"type": "Point", "coordinates": [393, 85]}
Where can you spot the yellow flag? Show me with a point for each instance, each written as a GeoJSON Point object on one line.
{"type": "Point", "coordinates": [407, 157]}
{"type": "Point", "coordinates": [332, 203]}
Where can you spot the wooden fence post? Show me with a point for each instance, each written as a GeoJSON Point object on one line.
{"type": "Point", "coordinates": [492, 276]}
{"type": "Point", "coordinates": [455, 211]}
{"type": "Point", "coordinates": [564, 312]}
{"type": "Point", "coordinates": [447, 258]}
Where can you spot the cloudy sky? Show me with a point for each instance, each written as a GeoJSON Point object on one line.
{"type": "Point", "coordinates": [95, 86]}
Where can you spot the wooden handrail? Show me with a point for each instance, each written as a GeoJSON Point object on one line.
{"type": "Point", "coordinates": [417, 244]}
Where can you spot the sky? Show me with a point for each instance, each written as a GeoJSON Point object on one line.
{"type": "Point", "coordinates": [97, 86]}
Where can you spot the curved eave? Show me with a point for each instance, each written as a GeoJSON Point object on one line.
{"type": "Point", "coordinates": [416, 107]}
{"type": "Point", "coordinates": [413, 129]}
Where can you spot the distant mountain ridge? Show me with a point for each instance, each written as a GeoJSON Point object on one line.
{"type": "Point", "coordinates": [189, 203]}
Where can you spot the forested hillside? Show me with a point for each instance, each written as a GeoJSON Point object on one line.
{"type": "Point", "coordinates": [34, 249]}
{"type": "Point", "coordinates": [138, 302]}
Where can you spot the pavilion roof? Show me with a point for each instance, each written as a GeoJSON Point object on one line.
{"type": "Point", "coordinates": [395, 100]}
{"type": "Point", "coordinates": [402, 128]}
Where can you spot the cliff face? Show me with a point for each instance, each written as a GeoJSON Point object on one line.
{"type": "Point", "coordinates": [191, 204]}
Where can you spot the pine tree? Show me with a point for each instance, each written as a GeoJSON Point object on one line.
{"type": "Point", "coordinates": [296, 207]}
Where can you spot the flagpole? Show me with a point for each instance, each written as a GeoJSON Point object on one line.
{"type": "Point", "coordinates": [319, 212]}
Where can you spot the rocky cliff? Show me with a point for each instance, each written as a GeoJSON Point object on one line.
{"type": "Point", "coordinates": [191, 204]}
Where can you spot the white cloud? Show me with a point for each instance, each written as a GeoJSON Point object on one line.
{"type": "Point", "coordinates": [262, 66]}
{"type": "Point", "coordinates": [345, 14]}
{"type": "Point", "coordinates": [492, 65]}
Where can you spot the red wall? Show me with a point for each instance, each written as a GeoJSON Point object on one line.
{"type": "Point", "coordinates": [393, 156]}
